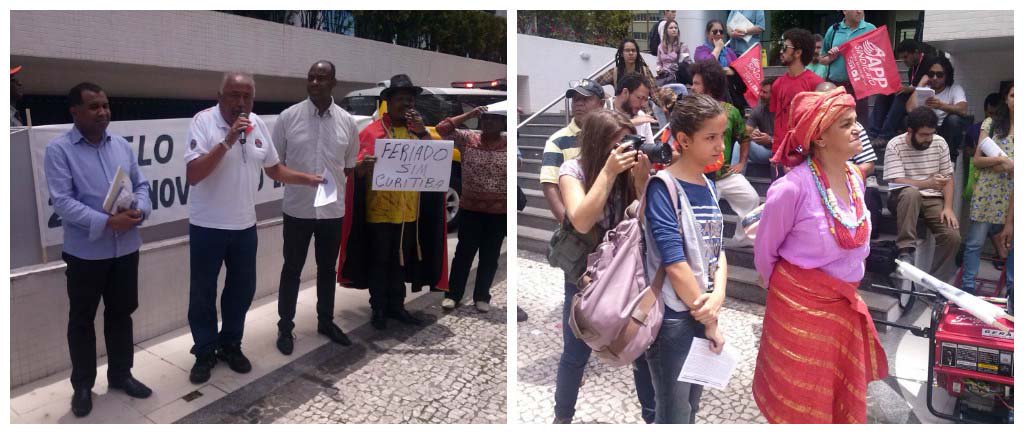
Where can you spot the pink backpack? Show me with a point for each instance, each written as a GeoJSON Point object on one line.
{"type": "Point", "coordinates": [616, 313]}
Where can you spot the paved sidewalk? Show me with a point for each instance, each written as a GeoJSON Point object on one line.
{"type": "Point", "coordinates": [377, 369]}
{"type": "Point", "coordinates": [608, 396]}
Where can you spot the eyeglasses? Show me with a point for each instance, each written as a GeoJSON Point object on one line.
{"type": "Point", "coordinates": [787, 47]}
{"type": "Point", "coordinates": [717, 32]}
{"type": "Point", "coordinates": [935, 74]}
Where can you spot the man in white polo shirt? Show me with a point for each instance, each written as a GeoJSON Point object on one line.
{"type": "Point", "coordinates": [313, 136]}
{"type": "Point", "coordinates": [227, 147]}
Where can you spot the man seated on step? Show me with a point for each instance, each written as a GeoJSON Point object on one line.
{"type": "Point", "coordinates": [920, 175]}
{"type": "Point", "coordinates": [586, 96]}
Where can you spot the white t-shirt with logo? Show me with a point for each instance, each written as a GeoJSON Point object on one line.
{"type": "Point", "coordinates": [950, 95]}
{"type": "Point", "coordinates": [226, 199]}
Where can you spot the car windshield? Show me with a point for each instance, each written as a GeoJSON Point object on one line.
{"type": "Point", "coordinates": [433, 108]}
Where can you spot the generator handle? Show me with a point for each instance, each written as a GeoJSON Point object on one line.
{"type": "Point", "coordinates": [927, 295]}
{"type": "Point", "coordinates": [921, 332]}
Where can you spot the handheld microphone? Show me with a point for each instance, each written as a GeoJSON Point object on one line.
{"type": "Point", "coordinates": [241, 137]}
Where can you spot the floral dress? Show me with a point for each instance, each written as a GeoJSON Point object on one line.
{"type": "Point", "coordinates": [992, 191]}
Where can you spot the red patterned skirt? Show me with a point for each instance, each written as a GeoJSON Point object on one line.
{"type": "Point", "coordinates": [819, 349]}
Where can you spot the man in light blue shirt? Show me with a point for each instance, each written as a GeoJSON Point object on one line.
{"type": "Point", "coordinates": [101, 250]}
{"type": "Point", "coordinates": [740, 45]}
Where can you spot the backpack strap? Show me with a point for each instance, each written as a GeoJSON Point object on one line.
{"type": "Point", "coordinates": [670, 184]}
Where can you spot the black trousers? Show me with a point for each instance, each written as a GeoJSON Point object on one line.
{"type": "Point", "coordinates": [327, 237]}
{"type": "Point", "coordinates": [116, 282]}
{"type": "Point", "coordinates": [481, 232]}
{"type": "Point", "coordinates": [388, 242]}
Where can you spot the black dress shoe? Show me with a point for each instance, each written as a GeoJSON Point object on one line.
{"type": "Point", "coordinates": [403, 316]}
{"type": "Point", "coordinates": [378, 320]}
{"type": "Point", "coordinates": [132, 387]}
{"type": "Point", "coordinates": [81, 402]}
{"type": "Point", "coordinates": [201, 370]}
{"type": "Point", "coordinates": [285, 342]}
{"type": "Point", "coordinates": [334, 333]}
{"type": "Point", "coordinates": [236, 360]}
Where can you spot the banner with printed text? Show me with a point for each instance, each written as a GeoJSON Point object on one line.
{"type": "Point", "coordinates": [870, 64]}
{"type": "Point", "coordinates": [748, 67]}
{"type": "Point", "coordinates": [159, 146]}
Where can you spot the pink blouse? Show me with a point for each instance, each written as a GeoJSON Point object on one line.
{"type": "Point", "coordinates": [794, 227]}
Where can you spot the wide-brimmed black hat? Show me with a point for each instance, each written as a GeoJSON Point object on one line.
{"type": "Point", "coordinates": [400, 82]}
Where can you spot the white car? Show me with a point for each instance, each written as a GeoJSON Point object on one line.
{"type": "Point", "coordinates": [434, 104]}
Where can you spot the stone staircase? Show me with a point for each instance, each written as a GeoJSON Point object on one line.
{"type": "Point", "coordinates": [535, 223]}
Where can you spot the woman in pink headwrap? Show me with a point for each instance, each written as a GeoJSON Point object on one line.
{"type": "Point", "coordinates": [819, 347]}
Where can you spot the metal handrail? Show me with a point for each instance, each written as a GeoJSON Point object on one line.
{"type": "Point", "coordinates": [561, 97]}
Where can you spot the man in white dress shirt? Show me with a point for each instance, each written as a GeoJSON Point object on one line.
{"type": "Point", "coordinates": [313, 136]}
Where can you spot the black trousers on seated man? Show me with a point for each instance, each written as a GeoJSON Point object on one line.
{"type": "Point", "coordinates": [908, 205]}
{"type": "Point", "coordinates": [386, 274]}
{"type": "Point", "coordinates": [952, 129]}
{"type": "Point", "coordinates": [116, 282]}
{"type": "Point", "coordinates": [327, 237]}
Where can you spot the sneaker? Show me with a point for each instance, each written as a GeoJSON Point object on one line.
{"type": "Point", "coordinates": [201, 370]}
{"type": "Point", "coordinates": [236, 360]}
{"type": "Point", "coordinates": [448, 303]}
{"type": "Point", "coordinates": [483, 306]}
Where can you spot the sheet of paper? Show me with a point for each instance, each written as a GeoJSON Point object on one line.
{"type": "Point", "coordinates": [704, 367]}
{"type": "Point", "coordinates": [989, 148]}
{"type": "Point", "coordinates": [923, 93]}
{"type": "Point", "coordinates": [327, 192]}
{"type": "Point", "coordinates": [741, 22]}
{"type": "Point", "coordinates": [121, 195]}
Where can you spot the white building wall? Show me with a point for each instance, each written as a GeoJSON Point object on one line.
{"type": "Point", "coordinates": [980, 76]}
{"type": "Point", "coordinates": [550, 64]}
{"type": "Point", "coordinates": [953, 25]}
{"type": "Point", "coordinates": [178, 47]}
{"type": "Point", "coordinates": [980, 47]}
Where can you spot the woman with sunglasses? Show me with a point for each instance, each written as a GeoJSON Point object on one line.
{"type": "Point", "coordinates": [596, 188]}
{"type": "Point", "coordinates": [819, 348]}
{"type": "Point", "coordinates": [714, 46]}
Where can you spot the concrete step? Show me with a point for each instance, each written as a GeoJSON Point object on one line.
{"type": "Point", "coordinates": [535, 199]}
{"type": "Point", "coordinates": [542, 129]}
{"type": "Point", "coordinates": [533, 140]}
{"type": "Point", "coordinates": [743, 285]}
{"type": "Point", "coordinates": [536, 218]}
{"type": "Point", "coordinates": [531, 152]}
{"type": "Point", "coordinates": [530, 165]}
{"type": "Point", "coordinates": [533, 239]}
{"type": "Point", "coordinates": [528, 180]}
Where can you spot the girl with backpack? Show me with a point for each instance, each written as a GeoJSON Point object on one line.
{"type": "Point", "coordinates": [596, 188]}
{"type": "Point", "coordinates": [689, 247]}
{"type": "Point", "coordinates": [819, 348]}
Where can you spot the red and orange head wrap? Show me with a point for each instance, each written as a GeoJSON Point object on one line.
{"type": "Point", "coordinates": [811, 114]}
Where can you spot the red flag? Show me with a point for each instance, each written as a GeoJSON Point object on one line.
{"type": "Point", "coordinates": [748, 67]}
{"type": "Point", "coordinates": [870, 64]}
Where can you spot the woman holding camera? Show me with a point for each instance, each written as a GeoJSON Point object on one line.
{"type": "Point", "coordinates": [596, 188]}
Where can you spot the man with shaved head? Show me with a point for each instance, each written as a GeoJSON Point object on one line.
{"type": "Point", "coordinates": [313, 136]}
{"type": "Point", "coordinates": [227, 147]}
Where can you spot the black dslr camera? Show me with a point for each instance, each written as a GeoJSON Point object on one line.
{"type": "Point", "coordinates": [657, 152]}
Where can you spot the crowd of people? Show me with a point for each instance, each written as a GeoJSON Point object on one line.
{"type": "Point", "coordinates": [819, 348]}
{"type": "Point", "coordinates": [367, 239]}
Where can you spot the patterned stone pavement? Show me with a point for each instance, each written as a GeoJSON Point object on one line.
{"type": "Point", "coordinates": [451, 371]}
{"type": "Point", "coordinates": [607, 395]}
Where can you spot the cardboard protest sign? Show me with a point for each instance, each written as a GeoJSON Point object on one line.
{"type": "Point", "coordinates": [412, 165]}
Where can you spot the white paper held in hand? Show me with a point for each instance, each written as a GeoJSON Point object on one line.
{"type": "Point", "coordinates": [923, 93]}
{"type": "Point", "coordinates": [704, 367]}
{"type": "Point", "coordinates": [989, 148]}
{"type": "Point", "coordinates": [121, 196]}
{"type": "Point", "coordinates": [327, 192]}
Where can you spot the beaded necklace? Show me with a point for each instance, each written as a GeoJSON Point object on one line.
{"type": "Point", "coordinates": [828, 198]}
